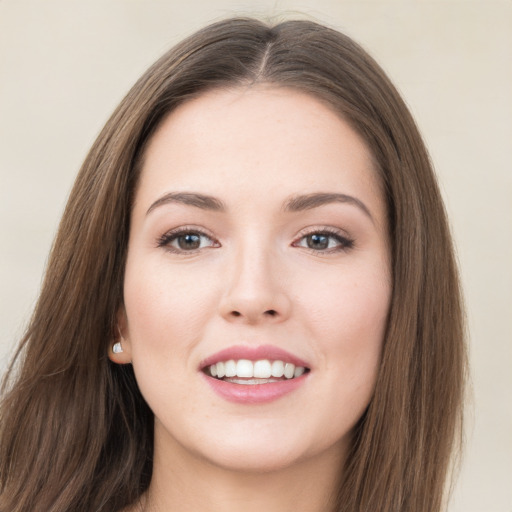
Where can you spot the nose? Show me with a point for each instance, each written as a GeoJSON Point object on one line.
{"type": "Point", "coordinates": [255, 291]}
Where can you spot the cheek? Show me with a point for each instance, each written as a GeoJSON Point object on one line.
{"type": "Point", "coordinates": [344, 315]}
{"type": "Point", "coordinates": [348, 302]}
{"type": "Point", "coordinates": [166, 308]}
{"type": "Point", "coordinates": [348, 320]}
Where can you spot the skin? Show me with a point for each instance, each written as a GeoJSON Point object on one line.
{"type": "Point", "coordinates": [257, 278]}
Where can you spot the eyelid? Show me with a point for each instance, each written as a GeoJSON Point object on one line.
{"type": "Point", "coordinates": [346, 242]}
{"type": "Point", "coordinates": [165, 239]}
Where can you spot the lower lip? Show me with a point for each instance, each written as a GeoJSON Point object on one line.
{"type": "Point", "coordinates": [254, 393]}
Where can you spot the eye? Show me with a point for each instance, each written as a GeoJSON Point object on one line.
{"type": "Point", "coordinates": [324, 241]}
{"type": "Point", "coordinates": [186, 240]}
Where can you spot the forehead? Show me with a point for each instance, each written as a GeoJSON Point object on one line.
{"type": "Point", "coordinates": [258, 142]}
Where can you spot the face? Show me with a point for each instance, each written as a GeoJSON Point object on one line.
{"type": "Point", "coordinates": [258, 246]}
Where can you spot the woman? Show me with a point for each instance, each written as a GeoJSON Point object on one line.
{"type": "Point", "coordinates": [252, 299]}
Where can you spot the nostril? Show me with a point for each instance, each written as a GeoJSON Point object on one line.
{"type": "Point", "coordinates": [269, 313]}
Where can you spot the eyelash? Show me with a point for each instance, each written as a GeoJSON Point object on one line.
{"type": "Point", "coordinates": [166, 239]}
{"type": "Point", "coordinates": [343, 243]}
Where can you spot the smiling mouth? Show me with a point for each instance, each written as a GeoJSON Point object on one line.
{"type": "Point", "coordinates": [247, 372]}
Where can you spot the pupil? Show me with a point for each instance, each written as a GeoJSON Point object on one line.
{"type": "Point", "coordinates": [190, 241]}
{"type": "Point", "coordinates": [318, 241]}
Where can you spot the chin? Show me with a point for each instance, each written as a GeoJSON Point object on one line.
{"type": "Point", "coordinates": [253, 459]}
{"type": "Point", "coordinates": [253, 453]}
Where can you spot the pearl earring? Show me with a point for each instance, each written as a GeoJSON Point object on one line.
{"type": "Point", "coordinates": [117, 348]}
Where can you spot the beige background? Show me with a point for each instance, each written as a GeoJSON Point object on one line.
{"type": "Point", "coordinates": [64, 65]}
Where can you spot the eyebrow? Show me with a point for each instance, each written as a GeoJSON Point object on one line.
{"type": "Point", "coordinates": [310, 201]}
{"type": "Point", "coordinates": [295, 204]}
{"type": "Point", "coordinates": [190, 198]}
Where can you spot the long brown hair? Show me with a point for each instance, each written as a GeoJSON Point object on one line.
{"type": "Point", "coordinates": [76, 435]}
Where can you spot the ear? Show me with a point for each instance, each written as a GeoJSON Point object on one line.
{"type": "Point", "coordinates": [119, 350]}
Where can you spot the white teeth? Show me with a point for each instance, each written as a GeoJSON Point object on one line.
{"type": "Point", "coordinates": [244, 368]}
{"type": "Point", "coordinates": [299, 370]}
{"type": "Point", "coordinates": [260, 372]}
{"type": "Point", "coordinates": [277, 369]}
{"type": "Point", "coordinates": [230, 368]}
{"type": "Point", "coordinates": [234, 380]}
{"type": "Point", "coordinates": [262, 369]}
{"type": "Point", "coordinates": [289, 370]}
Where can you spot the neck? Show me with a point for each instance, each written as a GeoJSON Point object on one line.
{"type": "Point", "coordinates": [197, 484]}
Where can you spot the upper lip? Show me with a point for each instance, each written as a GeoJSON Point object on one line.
{"type": "Point", "coordinates": [253, 353]}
